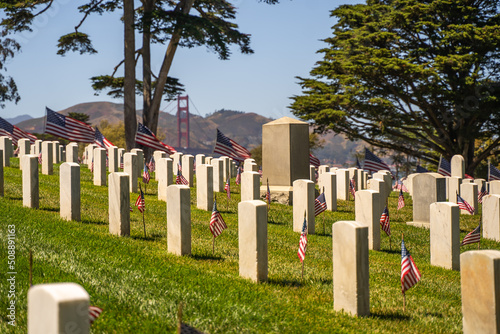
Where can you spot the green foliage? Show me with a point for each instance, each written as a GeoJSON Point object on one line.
{"type": "Point", "coordinates": [74, 42]}
{"type": "Point", "coordinates": [8, 87]}
{"type": "Point", "coordinates": [79, 116]}
{"type": "Point", "coordinates": [421, 78]}
{"type": "Point", "coordinates": [115, 86]}
{"type": "Point", "coordinates": [115, 133]}
{"type": "Point", "coordinates": [139, 284]}
{"type": "Point", "coordinates": [256, 154]}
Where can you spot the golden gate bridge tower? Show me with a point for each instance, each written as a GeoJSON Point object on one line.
{"type": "Point", "coordinates": [183, 118]}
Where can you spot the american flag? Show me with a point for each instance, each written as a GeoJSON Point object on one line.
{"type": "Point", "coordinates": [319, 204]}
{"type": "Point", "coordinates": [228, 147]}
{"type": "Point", "coordinates": [409, 271]}
{"type": "Point", "coordinates": [373, 163]}
{"type": "Point", "coordinates": [472, 237]}
{"type": "Point", "coordinates": [140, 203]}
{"type": "Point", "coordinates": [268, 194]}
{"type": "Point", "coordinates": [14, 133]}
{"type": "Point", "coordinates": [92, 165]}
{"type": "Point", "coordinates": [483, 192]}
{"type": "Point", "coordinates": [68, 128]}
{"type": "Point", "coordinates": [462, 204]}
{"type": "Point", "coordinates": [121, 162]}
{"type": "Point", "coordinates": [100, 140]}
{"type": "Point", "coordinates": [385, 221]}
{"type": "Point", "coordinates": [314, 161]}
{"type": "Point", "coordinates": [180, 179]}
{"type": "Point", "coordinates": [444, 167]}
{"type": "Point", "coordinates": [217, 224]}
{"type": "Point", "coordinates": [145, 137]}
{"type": "Point", "coordinates": [94, 313]}
{"type": "Point", "coordinates": [238, 176]}
{"type": "Point", "coordinates": [227, 188]}
{"type": "Point", "coordinates": [421, 169]}
{"type": "Point", "coordinates": [152, 164]}
{"type": "Point", "coordinates": [401, 199]}
{"type": "Point", "coordinates": [40, 159]}
{"type": "Point", "coordinates": [493, 173]}
{"type": "Point", "coordinates": [145, 175]}
{"type": "Point", "coordinates": [352, 187]}
{"type": "Point", "coordinates": [260, 171]}
{"type": "Point", "coordinates": [303, 242]}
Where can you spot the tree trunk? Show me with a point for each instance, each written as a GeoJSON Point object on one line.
{"type": "Point", "coordinates": [146, 69]}
{"type": "Point", "coordinates": [129, 81]}
{"type": "Point", "coordinates": [165, 68]}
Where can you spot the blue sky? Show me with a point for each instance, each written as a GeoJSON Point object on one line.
{"type": "Point", "coordinates": [285, 38]}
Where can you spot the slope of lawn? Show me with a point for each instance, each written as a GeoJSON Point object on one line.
{"type": "Point", "coordinates": [140, 285]}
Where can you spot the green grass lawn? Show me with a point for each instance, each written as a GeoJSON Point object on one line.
{"type": "Point", "coordinates": [139, 285]}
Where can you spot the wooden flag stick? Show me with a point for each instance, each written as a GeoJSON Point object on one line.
{"type": "Point", "coordinates": [179, 319]}
{"type": "Point", "coordinates": [144, 224]}
{"type": "Point", "coordinates": [390, 243]}
{"type": "Point", "coordinates": [404, 302]}
{"type": "Point", "coordinates": [213, 246]}
{"type": "Point", "coordinates": [31, 268]}
{"type": "Point", "coordinates": [324, 226]}
{"type": "Point", "coordinates": [302, 270]}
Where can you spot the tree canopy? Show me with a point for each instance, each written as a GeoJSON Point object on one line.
{"type": "Point", "coordinates": [8, 87]}
{"type": "Point", "coordinates": [418, 77]}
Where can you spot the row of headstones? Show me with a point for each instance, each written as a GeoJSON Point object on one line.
{"type": "Point", "coordinates": [54, 307]}
{"type": "Point", "coordinates": [369, 203]}
{"type": "Point", "coordinates": [480, 308]}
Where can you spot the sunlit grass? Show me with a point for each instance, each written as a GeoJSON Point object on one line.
{"type": "Point", "coordinates": [139, 284]}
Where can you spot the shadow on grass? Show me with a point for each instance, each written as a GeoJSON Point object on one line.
{"type": "Point", "coordinates": [95, 222]}
{"type": "Point", "coordinates": [284, 282]}
{"type": "Point", "coordinates": [274, 222]}
{"type": "Point", "coordinates": [391, 251]}
{"type": "Point", "coordinates": [209, 257]}
{"type": "Point", "coordinates": [390, 315]}
{"type": "Point", "coordinates": [152, 237]}
{"type": "Point", "coordinates": [14, 198]}
{"type": "Point", "coordinates": [45, 208]}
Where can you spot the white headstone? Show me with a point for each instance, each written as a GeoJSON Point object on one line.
{"type": "Point", "coordinates": [119, 204]}
{"type": "Point", "coordinates": [250, 186]}
{"type": "Point", "coordinates": [445, 235]}
{"type": "Point", "coordinates": [69, 190]}
{"type": "Point", "coordinates": [164, 173]}
{"type": "Point", "coordinates": [303, 202]}
{"type": "Point", "coordinates": [47, 166]}
{"type": "Point", "coordinates": [204, 187]}
{"type": "Point", "coordinates": [30, 181]}
{"type": "Point", "coordinates": [178, 219]}
{"type": "Point", "coordinates": [367, 213]}
{"type": "Point", "coordinates": [328, 185]}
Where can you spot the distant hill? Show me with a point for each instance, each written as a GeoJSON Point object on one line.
{"type": "Point", "coordinates": [244, 128]}
{"type": "Point", "coordinates": [18, 119]}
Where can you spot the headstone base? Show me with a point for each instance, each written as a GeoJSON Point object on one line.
{"type": "Point", "coordinates": [419, 224]}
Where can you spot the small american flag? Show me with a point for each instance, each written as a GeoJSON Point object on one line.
{"type": "Point", "coordinates": [444, 167]}
{"type": "Point", "coordinates": [409, 271]}
{"type": "Point", "coordinates": [401, 199]}
{"type": "Point", "coordinates": [94, 313]}
{"type": "Point", "coordinates": [92, 165]}
{"type": "Point", "coordinates": [472, 237]}
{"type": "Point", "coordinates": [140, 203]}
{"type": "Point", "coordinates": [16, 152]}
{"type": "Point", "coordinates": [180, 179]}
{"type": "Point", "coordinates": [227, 188]}
{"type": "Point", "coordinates": [238, 176]}
{"type": "Point", "coordinates": [68, 128]}
{"type": "Point", "coordinates": [373, 163]}
{"type": "Point", "coordinates": [145, 137]}
{"type": "Point", "coordinates": [152, 164]}
{"type": "Point", "coordinates": [385, 222]}
{"type": "Point", "coordinates": [100, 140]}
{"type": "Point", "coordinates": [352, 187]}
{"type": "Point", "coordinates": [145, 175]}
{"type": "Point", "coordinates": [314, 161]}
{"type": "Point", "coordinates": [319, 204]}
{"type": "Point", "coordinates": [462, 204]}
{"type": "Point", "coordinates": [228, 147]}
{"type": "Point", "coordinates": [268, 194]}
{"type": "Point", "coordinates": [40, 159]}
{"type": "Point", "coordinates": [121, 162]}
{"type": "Point", "coordinates": [483, 192]}
{"type": "Point", "coordinates": [493, 173]}
{"type": "Point", "coordinates": [217, 224]}
{"type": "Point", "coordinates": [303, 242]}
{"type": "Point", "coordinates": [14, 133]}
{"type": "Point", "coordinates": [131, 210]}
{"type": "Point", "coordinates": [260, 171]}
